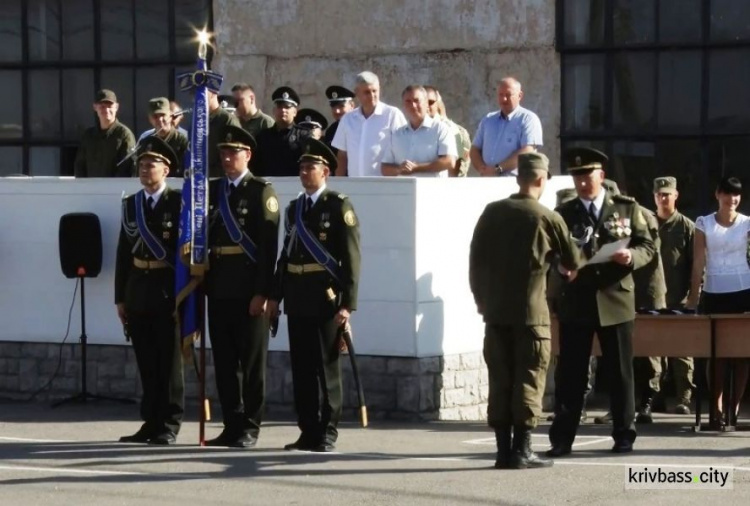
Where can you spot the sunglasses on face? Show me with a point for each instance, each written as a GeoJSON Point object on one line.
{"type": "Point", "coordinates": [431, 102]}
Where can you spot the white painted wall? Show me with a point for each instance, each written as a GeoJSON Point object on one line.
{"type": "Point", "coordinates": [414, 294]}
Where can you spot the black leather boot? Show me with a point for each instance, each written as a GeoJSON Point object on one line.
{"type": "Point", "coordinates": [523, 457]}
{"type": "Point", "coordinates": [502, 437]}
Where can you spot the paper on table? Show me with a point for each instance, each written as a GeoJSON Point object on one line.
{"type": "Point", "coordinates": [606, 251]}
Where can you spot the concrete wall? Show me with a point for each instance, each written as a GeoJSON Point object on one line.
{"type": "Point", "coordinates": [461, 46]}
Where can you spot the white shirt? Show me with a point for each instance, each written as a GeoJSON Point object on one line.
{"type": "Point", "coordinates": [235, 182]}
{"type": "Point", "coordinates": [314, 197]}
{"type": "Point", "coordinates": [598, 203]}
{"type": "Point", "coordinates": [727, 269]}
{"type": "Point", "coordinates": [363, 139]}
{"type": "Point", "coordinates": [156, 195]}
{"type": "Point", "coordinates": [429, 141]}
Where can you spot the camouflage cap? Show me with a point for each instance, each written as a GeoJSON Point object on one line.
{"type": "Point", "coordinates": [665, 185]}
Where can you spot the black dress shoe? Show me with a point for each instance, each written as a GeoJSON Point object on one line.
{"type": "Point", "coordinates": [142, 436]}
{"type": "Point", "coordinates": [302, 444]}
{"type": "Point", "coordinates": [165, 438]}
{"type": "Point", "coordinates": [324, 447]}
{"type": "Point", "coordinates": [623, 446]}
{"type": "Point", "coordinates": [244, 441]}
{"type": "Point", "coordinates": [559, 450]}
{"type": "Point", "coordinates": [222, 439]}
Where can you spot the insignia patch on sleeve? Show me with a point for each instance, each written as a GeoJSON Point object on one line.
{"type": "Point", "coordinates": [349, 218]}
{"type": "Point", "coordinates": [272, 204]}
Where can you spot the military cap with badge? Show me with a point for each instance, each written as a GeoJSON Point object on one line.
{"type": "Point", "coordinates": [582, 160]}
{"type": "Point", "coordinates": [310, 119]}
{"type": "Point", "coordinates": [666, 184]}
{"type": "Point", "coordinates": [153, 146]}
{"type": "Point", "coordinates": [285, 95]}
{"type": "Point", "coordinates": [159, 105]}
{"type": "Point", "coordinates": [237, 138]}
{"type": "Point", "coordinates": [338, 94]}
{"type": "Point", "coordinates": [317, 151]}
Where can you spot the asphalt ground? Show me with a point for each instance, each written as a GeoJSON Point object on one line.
{"type": "Point", "coordinates": [68, 456]}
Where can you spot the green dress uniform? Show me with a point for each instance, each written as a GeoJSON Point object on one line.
{"type": "Point", "coordinates": [509, 281]}
{"type": "Point", "coordinates": [676, 234]}
{"type": "Point", "coordinates": [145, 284]}
{"type": "Point", "coordinates": [101, 150]}
{"type": "Point", "coordinates": [218, 123]}
{"type": "Point", "coordinates": [599, 301]}
{"type": "Point", "coordinates": [239, 341]}
{"type": "Point", "coordinates": [312, 296]}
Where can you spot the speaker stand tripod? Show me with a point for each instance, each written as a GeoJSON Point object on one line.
{"type": "Point", "coordinates": [84, 396]}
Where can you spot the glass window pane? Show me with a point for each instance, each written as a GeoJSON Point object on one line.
{"type": "Point", "coordinates": [120, 80]}
{"type": "Point", "coordinates": [730, 20]}
{"type": "Point", "coordinates": [44, 103]}
{"type": "Point", "coordinates": [583, 82]}
{"type": "Point", "coordinates": [44, 30]}
{"type": "Point", "coordinates": [633, 166]}
{"type": "Point", "coordinates": [634, 21]}
{"type": "Point", "coordinates": [44, 161]}
{"type": "Point", "coordinates": [11, 114]}
{"type": "Point", "coordinates": [189, 15]}
{"type": "Point", "coordinates": [584, 22]}
{"type": "Point", "coordinates": [152, 29]}
{"type": "Point", "coordinates": [10, 30]}
{"type": "Point", "coordinates": [680, 91]}
{"type": "Point", "coordinates": [117, 29]}
{"type": "Point", "coordinates": [728, 106]}
{"type": "Point", "coordinates": [728, 157]}
{"type": "Point", "coordinates": [78, 29]}
{"type": "Point", "coordinates": [11, 160]}
{"type": "Point", "coordinates": [682, 160]}
{"type": "Point", "coordinates": [78, 97]}
{"type": "Point", "coordinates": [633, 97]}
{"type": "Point", "coordinates": [149, 83]}
{"type": "Point", "coordinates": [680, 21]}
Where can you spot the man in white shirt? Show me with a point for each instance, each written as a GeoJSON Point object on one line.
{"type": "Point", "coordinates": [424, 147]}
{"type": "Point", "coordinates": [362, 133]}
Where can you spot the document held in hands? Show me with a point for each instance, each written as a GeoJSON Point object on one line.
{"type": "Point", "coordinates": [606, 252]}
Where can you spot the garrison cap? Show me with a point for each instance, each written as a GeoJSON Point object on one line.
{"type": "Point", "coordinates": [338, 94]}
{"type": "Point", "coordinates": [584, 159]}
{"type": "Point", "coordinates": [310, 118]}
{"type": "Point", "coordinates": [159, 105]}
{"type": "Point", "coordinates": [285, 94]}
{"type": "Point", "coordinates": [105, 95]}
{"type": "Point", "coordinates": [665, 185]}
{"type": "Point", "coordinates": [319, 152]}
{"type": "Point", "coordinates": [611, 187]}
{"type": "Point", "coordinates": [565, 195]}
{"type": "Point", "coordinates": [528, 162]}
{"type": "Point", "coordinates": [155, 147]}
{"type": "Point", "coordinates": [237, 138]}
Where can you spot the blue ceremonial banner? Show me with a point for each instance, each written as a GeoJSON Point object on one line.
{"type": "Point", "coordinates": [193, 238]}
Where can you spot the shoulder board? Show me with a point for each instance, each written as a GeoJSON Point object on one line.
{"type": "Point", "coordinates": [342, 196]}
{"type": "Point", "coordinates": [624, 198]}
{"type": "Point", "coordinates": [259, 180]}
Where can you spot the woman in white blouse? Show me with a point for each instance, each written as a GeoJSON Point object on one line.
{"type": "Point", "coordinates": [721, 249]}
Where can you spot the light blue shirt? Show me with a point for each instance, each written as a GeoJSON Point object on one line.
{"type": "Point", "coordinates": [499, 137]}
{"type": "Point", "coordinates": [424, 145]}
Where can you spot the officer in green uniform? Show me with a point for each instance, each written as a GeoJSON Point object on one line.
{"type": "Point", "coordinates": [279, 147]}
{"type": "Point", "coordinates": [144, 292]}
{"type": "Point", "coordinates": [517, 327]}
{"type": "Point", "coordinates": [600, 300]}
{"type": "Point", "coordinates": [104, 146]}
{"type": "Point", "coordinates": [243, 242]}
{"type": "Point", "coordinates": [341, 101]}
{"type": "Point", "coordinates": [317, 277]}
{"type": "Point", "coordinates": [160, 117]}
{"type": "Point", "coordinates": [219, 120]}
{"type": "Point", "coordinates": [676, 232]}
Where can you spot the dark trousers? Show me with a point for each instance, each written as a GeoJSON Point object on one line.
{"type": "Point", "coordinates": [616, 344]}
{"type": "Point", "coordinates": [239, 343]}
{"type": "Point", "coordinates": [157, 351]}
{"type": "Point", "coordinates": [316, 376]}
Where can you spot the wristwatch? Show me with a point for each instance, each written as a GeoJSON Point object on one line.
{"type": "Point", "coordinates": [499, 170]}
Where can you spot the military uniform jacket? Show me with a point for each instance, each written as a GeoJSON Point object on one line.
{"type": "Point", "coordinates": [650, 287]}
{"type": "Point", "coordinates": [603, 294]}
{"type": "Point", "coordinates": [514, 242]}
{"type": "Point", "coordinates": [676, 235]}
{"type": "Point", "coordinates": [101, 150]}
{"type": "Point", "coordinates": [255, 206]}
{"type": "Point", "coordinates": [147, 290]}
{"type": "Point", "coordinates": [278, 152]}
{"type": "Point", "coordinates": [179, 144]}
{"type": "Point", "coordinates": [334, 224]}
{"type": "Point", "coordinates": [217, 123]}
{"type": "Point", "coordinates": [257, 122]}
{"type": "Point", "coordinates": [330, 134]}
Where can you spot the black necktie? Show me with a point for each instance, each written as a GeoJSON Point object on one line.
{"type": "Point", "coordinates": [231, 188]}
{"type": "Point", "coordinates": [308, 205]}
{"type": "Point", "coordinates": [592, 213]}
{"type": "Point", "coordinates": [150, 202]}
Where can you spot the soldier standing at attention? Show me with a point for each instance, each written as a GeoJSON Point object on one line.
{"type": "Point", "coordinates": [317, 277]}
{"type": "Point", "coordinates": [517, 330]}
{"type": "Point", "coordinates": [144, 292]}
{"type": "Point", "coordinates": [243, 241]}
{"type": "Point", "coordinates": [599, 301]}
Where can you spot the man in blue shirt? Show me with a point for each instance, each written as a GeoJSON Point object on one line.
{"type": "Point", "coordinates": [503, 135]}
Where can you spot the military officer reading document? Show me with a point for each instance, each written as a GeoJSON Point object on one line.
{"type": "Point", "coordinates": [509, 281]}
{"type": "Point", "coordinates": [144, 292]}
{"type": "Point", "coordinates": [600, 300]}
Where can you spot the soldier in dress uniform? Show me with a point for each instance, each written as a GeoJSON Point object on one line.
{"type": "Point", "coordinates": [317, 277]}
{"type": "Point", "coordinates": [341, 101]}
{"type": "Point", "coordinates": [312, 122]}
{"type": "Point", "coordinates": [517, 328]}
{"type": "Point", "coordinates": [279, 146]}
{"type": "Point", "coordinates": [144, 292]}
{"type": "Point", "coordinates": [600, 300]}
{"type": "Point", "coordinates": [243, 242]}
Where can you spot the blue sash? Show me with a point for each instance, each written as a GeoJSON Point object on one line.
{"type": "Point", "coordinates": [236, 233]}
{"type": "Point", "coordinates": [317, 250]}
{"type": "Point", "coordinates": [153, 243]}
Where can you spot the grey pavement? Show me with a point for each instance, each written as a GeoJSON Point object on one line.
{"type": "Point", "coordinates": [68, 456]}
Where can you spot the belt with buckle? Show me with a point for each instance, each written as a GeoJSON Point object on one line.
{"type": "Point", "coordinates": [304, 268]}
{"type": "Point", "coordinates": [150, 264]}
{"type": "Point", "coordinates": [226, 250]}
